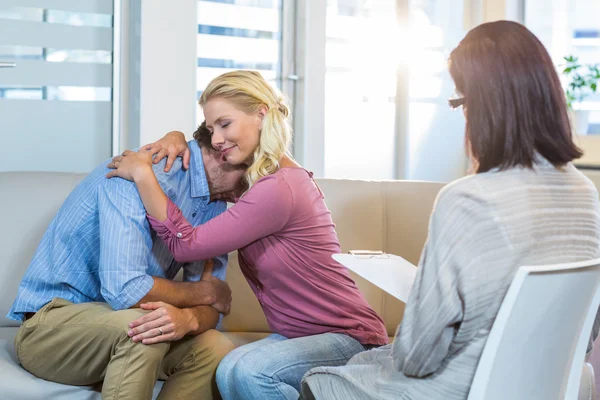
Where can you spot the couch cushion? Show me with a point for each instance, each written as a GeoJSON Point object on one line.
{"type": "Point", "coordinates": [374, 215]}
{"type": "Point", "coordinates": [357, 211]}
{"type": "Point", "coordinates": [246, 313]}
{"type": "Point", "coordinates": [20, 384]}
{"type": "Point", "coordinates": [389, 216]}
{"type": "Point", "coordinates": [30, 201]}
{"type": "Point", "coordinates": [242, 338]}
{"type": "Point", "coordinates": [408, 206]}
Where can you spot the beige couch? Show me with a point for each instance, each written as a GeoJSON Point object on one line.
{"type": "Point", "coordinates": [391, 216]}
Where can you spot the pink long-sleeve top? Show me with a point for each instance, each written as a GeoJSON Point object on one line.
{"type": "Point", "coordinates": [285, 237]}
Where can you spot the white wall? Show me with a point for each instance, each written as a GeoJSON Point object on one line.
{"type": "Point", "coordinates": [167, 68]}
{"type": "Point", "coordinates": [309, 121]}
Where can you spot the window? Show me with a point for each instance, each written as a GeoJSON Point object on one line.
{"type": "Point", "coordinates": [238, 34]}
{"type": "Point", "coordinates": [569, 28]}
{"type": "Point", "coordinates": [55, 55]}
{"type": "Point", "coordinates": [62, 80]}
{"type": "Point", "coordinates": [371, 131]}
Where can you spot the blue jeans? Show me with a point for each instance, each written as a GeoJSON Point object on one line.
{"type": "Point", "coordinates": [272, 368]}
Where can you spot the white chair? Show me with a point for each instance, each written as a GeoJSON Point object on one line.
{"type": "Point", "coordinates": [537, 346]}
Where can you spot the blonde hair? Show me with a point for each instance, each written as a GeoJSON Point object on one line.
{"type": "Point", "coordinates": [249, 91]}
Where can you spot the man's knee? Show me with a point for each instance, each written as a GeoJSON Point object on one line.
{"type": "Point", "coordinates": [201, 353]}
{"type": "Point", "coordinates": [213, 344]}
{"type": "Point", "coordinates": [122, 318]}
{"type": "Point", "coordinates": [148, 353]}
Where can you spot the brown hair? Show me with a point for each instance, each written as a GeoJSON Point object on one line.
{"type": "Point", "coordinates": [515, 106]}
{"type": "Point", "coordinates": [202, 136]}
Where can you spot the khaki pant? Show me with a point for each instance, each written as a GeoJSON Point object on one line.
{"type": "Point", "coordinates": [84, 344]}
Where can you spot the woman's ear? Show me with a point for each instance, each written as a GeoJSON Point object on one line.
{"type": "Point", "coordinates": [262, 111]}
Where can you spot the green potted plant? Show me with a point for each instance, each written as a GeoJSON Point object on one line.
{"type": "Point", "coordinates": [583, 81]}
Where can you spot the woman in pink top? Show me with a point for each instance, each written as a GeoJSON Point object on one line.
{"type": "Point", "coordinates": [285, 237]}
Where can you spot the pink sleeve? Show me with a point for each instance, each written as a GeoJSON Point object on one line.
{"type": "Point", "coordinates": [264, 209]}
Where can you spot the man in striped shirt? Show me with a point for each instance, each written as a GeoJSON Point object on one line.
{"type": "Point", "coordinates": [99, 302]}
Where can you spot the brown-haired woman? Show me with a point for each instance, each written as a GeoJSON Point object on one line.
{"type": "Point", "coordinates": [525, 205]}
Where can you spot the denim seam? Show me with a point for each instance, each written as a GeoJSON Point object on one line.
{"type": "Point", "coordinates": [272, 376]}
{"type": "Point", "coordinates": [342, 353]}
{"type": "Point", "coordinates": [279, 390]}
{"type": "Point", "coordinates": [278, 381]}
{"type": "Point", "coordinates": [344, 357]}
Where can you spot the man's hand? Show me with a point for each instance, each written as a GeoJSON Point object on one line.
{"type": "Point", "coordinates": [220, 289]}
{"type": "Point", "coordinates": [165, 323]}
{"type": "Point", "coordinates": [209, 291]}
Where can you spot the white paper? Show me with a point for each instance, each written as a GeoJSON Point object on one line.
{"type": "Point", "coordinates": [391, 273]}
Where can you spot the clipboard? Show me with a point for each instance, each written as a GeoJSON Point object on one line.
{"type": "Point", "coordinates": [389, 272]}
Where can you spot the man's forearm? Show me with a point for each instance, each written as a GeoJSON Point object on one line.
{"type": "Point", "coordinates": [203, 319]}
{"type": "Point", "coordinates": [180, 294]}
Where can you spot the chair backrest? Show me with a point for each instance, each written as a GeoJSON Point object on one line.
{"type": "Point", "coordinates": [537, 345]}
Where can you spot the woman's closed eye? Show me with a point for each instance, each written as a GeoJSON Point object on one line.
{"type": "Point", "coordinates": [225, 124]}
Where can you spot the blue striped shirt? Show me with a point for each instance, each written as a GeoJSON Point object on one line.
{"type": "Point", "coordinates": [100, 248]}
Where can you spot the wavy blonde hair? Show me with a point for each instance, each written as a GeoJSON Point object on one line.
{"type": "Point", "coordinates": [248, 90]}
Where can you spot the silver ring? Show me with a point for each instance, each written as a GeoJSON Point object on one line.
{"type": "Point", "coordinates": [161, 331]}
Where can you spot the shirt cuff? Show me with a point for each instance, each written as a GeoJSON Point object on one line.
{"type": "Point", "coordinates": [132, 293]}
{"type": "Point", "coordinates": [174, 227]}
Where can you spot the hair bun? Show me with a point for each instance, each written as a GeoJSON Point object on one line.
{"type": "Point", "coordinates": [282, 108]}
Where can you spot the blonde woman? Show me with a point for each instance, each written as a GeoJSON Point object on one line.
{"type": "Point", "coordinates": [285, 237]}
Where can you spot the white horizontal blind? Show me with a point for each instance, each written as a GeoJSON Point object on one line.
{"type": "Point", "coordinates": [56, 103]}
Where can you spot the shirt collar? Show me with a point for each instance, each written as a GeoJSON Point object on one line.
{"type": "Point", "coordinates": [198, 179]}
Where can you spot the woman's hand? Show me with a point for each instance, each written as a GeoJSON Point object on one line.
{"type": "Point", "coordinates": [222, 292]}
{"type": "Point", "coordinates": [131, 165]}
{"type": "Point", "coordinates": [164, 323]}
{"type": "Point", "coordinates": [172, 145]}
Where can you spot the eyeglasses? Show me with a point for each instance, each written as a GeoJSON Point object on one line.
{"type": "Point", "coordinates": [456, 101]}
